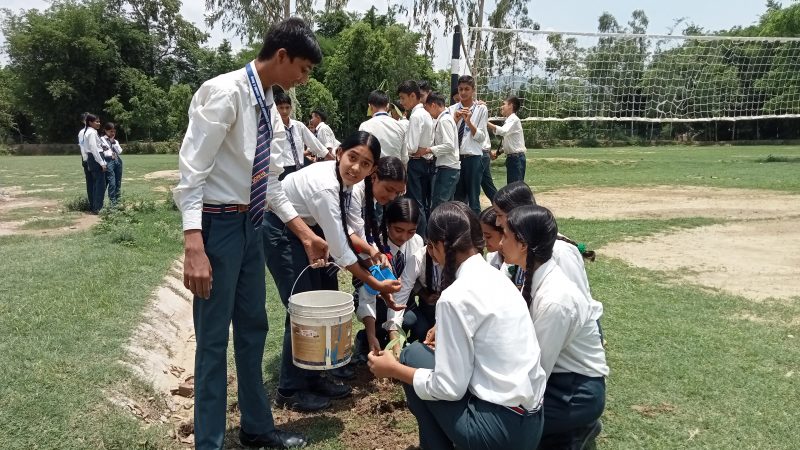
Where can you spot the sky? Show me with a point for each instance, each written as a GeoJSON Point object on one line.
{"type": "Point", "coordinates": [561, 15]}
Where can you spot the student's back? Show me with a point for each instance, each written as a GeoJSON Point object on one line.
{"type": "Point", "coordinates": [390, 134]}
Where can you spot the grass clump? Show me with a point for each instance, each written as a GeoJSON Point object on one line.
{"type": "Point", "coordinates": [780, 159]}
{"type": "Point", "coordinates": [79, 203]}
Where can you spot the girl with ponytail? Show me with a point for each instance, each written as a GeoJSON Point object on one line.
{"type": "Point", "coordinates": [321, 196]}
{"type": "Point", "coordinates": [567, 328]}
{"type": "Point", "coordinates": [485, 371]}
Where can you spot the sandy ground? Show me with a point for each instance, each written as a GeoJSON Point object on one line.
{"type": "Point", "coordinates": [756, 255]}
{"type": "Point", "coordinates": [663, 202]}
{"type": "Point", "coordinates": [172, 175]}
{"type": "Point", "coordinates": [13, 197]}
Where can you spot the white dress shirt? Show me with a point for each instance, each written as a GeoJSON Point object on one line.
{"type": "Point", "coordinates": [513, 138]}
{"type": "Point", "coordinates": [325, 135]}
{"type": "Point", "coordinates": [415, 274]}
{"type": "Point", "coordinates": [115, 148]}
{"type": "Point", "coordinates": [216, 157]}
{"type": "Point", "coordinates": [366, 301]}
{"type": "Point", "coordinates": [90, 145]}
{"type": "Point", "coordinates": [445, 141]}
{"type": "Point", "coordinates": [81, 144]}
{"type": "Point", "coordinates": [473, 144]}
{"type": "Point", "coordinates": [495, 259]}
{"type": "Point", "coordinates": [302, 137]}
{"type": "Point", "coordinates": [390, 134]}
{"type": "Point", "coordinates": [485, 343]}
{"type": "Point", "coordinates": [314, 194]}
{"type": "Point", "coordinates": [565, 324]}
{"type": "Point", "coordinates": [420, 131]}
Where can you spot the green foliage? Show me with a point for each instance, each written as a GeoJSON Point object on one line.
{"type": "Point", "coordinates": [78, 203]}
{"type": "Point", "coordinates": [401, 340]}
{"type": "Point", "coordinates": [367, 56]}
{"type": "Point", "coordinates": [152, 148]}
{"type": "Point", "coordinates": [314, 95]}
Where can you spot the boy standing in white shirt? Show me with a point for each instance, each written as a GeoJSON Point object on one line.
{"type": "Point", "coordinates": [298, 137]}
{"type": "Point", "coordinates": [471, 119]}
{"type": "Point", "coordinates": [445, 149]}
{"type": "Point", "coordinates": [222, 195]}
{"type": "Point", "coordinates": [390, 132]}
{"type": "Point", "coordinates": [418, 136]}
{"type": "Point", "coordinates": [322, 131]}
{"type": "Point", "coordinates": [513, 140]}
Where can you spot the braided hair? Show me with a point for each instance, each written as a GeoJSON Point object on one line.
{"type": "Point", "coordinates": [535, 227]}
{"type": "Point", "coordinates": [401, 209]}
{"type": "Point", "coordinates": [454, 225]}
{"type": "Point", "coordinates": [354, 140]}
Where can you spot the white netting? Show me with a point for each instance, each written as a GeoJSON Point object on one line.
{"type": "Point", "coordinates": [563, 76]}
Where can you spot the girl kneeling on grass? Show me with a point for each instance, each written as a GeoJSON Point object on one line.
{"type": "Point", "coordinates": [320, 195]}
{"type": "Point", "coordinates": [482, 387]}
{"type": "Point", "coordinates": [566, 327]}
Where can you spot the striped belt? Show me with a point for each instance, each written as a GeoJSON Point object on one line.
{"type": "Point", "coordinates": [522, 411]}
{"type": "Point", "coordinates": [225, 209]}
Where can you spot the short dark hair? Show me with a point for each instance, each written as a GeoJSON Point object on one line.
{"type": "Point", "coordinates": [515, 102]}
{"type": "Point", "coordinates": [378, 98]}
{"type": "Point", "coordinates": [282, 99]}
{"type": "Point", "coordinates": [409, 87]}
{"type": "Point", "coordinates": [424, 86]}
{"type": "Point", "coordinates": [466, 79]}
{"type": "Point", "coordinates": [321, 114]}
{"type": "Point", "coordinates": [109, 126]}
{"type": "Point", "coordinates": [294, 35]}
{"type": "Point", "coordinates": [435, 98]}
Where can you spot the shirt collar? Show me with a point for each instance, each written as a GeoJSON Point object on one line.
{"type": "Point", "coordinates": [416, 107]}
{"type": "Point", "coordinates": [541, 273]}
{"type": "Point", "coordinates": [513, 115]}
{"type": "Point", "coordinates": [394, 248]}
{"type": "Point", "coordinates": [472, 261]}
{"type": "Point", "coordinates": [380, 113]}
{"type": "Point", "coordinates": [446, 111]}
{"type": "Point", "coordinates": [268, 98]}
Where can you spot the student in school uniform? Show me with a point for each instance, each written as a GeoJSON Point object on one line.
{"type": "Point", "coordinates": [298, 138]}
{"type": "Point", "coordinates": [222, 195]}
{"type": "Point", "coordinates": [487, 182]}
{"type": "Point", "coordinates": [513, 140]}
{"type": "Point", "coordinates": [424, 89]}
{"type": "Point", "coordinates": [95, 162]}
{"type": "Point", "coordinates": [320, 195]}
{"type": "Point", "coordinates": [418, 136]}
{"type": "Point", "coordinates": [112, 152]}
{"type": "Point", "coordinates": [444, 149]}
{"type": "Point", "coordinates": [492, 234]}
{"type": "Point", "coordinates": [565, 251]}
{"type": "Point", "coordinates": [400, 241]}
{"type": "Point", "coordinates": [567, 328]}
{"type": "Point", "coordinates": [482, 387]}
{"type": "Point", "coordinates": [322, 131]}
{"type": "Point", "coordinates": [87, 174]}
{"type": "Point", "coordinates": [389, 131]}
{"type": "Point", "coordinates": [471, 118]}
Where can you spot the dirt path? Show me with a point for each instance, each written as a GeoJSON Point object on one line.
{"type": "Point", "coordinates": [662, 202]}
{"type": "Point", "coordinates": [13, 198]}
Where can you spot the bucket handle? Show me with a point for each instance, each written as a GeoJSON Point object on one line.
{"type": "Point", "coordinates": [329, 263]}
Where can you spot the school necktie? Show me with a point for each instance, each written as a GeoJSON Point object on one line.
{"type": "Point", "coordinates": [461, 131]}
{"type": "Point", "coordinates": [258, 187]}
{"type": "Point", "coordinates": [399, 263]}
{"type": "Point", "coordinates": [298, 163]}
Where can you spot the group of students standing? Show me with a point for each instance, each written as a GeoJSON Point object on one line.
{"type": "Point", "coordinates": [252, 200]}
{"type": "Point", "coordinates": [101, 160]}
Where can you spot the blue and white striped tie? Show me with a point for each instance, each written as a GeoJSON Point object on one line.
{"type": "Point", "coordinates": [258, 188]}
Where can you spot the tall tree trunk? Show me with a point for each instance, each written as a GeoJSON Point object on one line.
{"type": "Point", "coordinates": [287, 10]}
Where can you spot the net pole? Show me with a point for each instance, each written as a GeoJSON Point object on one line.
{"type": "Point", "coordinates": [455, 62]}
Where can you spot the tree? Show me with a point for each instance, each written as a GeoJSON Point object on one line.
{"type": "Point", "coordinates": [314, 95]}
{"type": "Point", "coordinates": [7, 123]}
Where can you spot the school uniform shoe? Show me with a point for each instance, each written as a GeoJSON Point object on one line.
{"type": "Point", "coordinates": [273, 439]}
{"type": "Point", "coordinates": [303, 401]}
{"type": "Point", "coordinates": [330, 389]}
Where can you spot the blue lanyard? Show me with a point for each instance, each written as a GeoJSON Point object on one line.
{"type": "Point", "coordinates": [257, 92]}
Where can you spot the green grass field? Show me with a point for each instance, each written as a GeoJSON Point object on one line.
{"type": "Point", "coordinates": [685, 372]}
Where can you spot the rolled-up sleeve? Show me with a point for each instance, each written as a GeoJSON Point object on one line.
{"type": "Point", "coordinates": [312, 142]}
{"type": "Point", "coordinates": [366, 304]}
{"type": "Point", "coordinates": [211, 114]}
{"type": "Point", "coordinates": [480, 123]}
{"type": "Point", "coordinates": [276, 198]}
{"type": "Point", "coordinates": [454, 358]}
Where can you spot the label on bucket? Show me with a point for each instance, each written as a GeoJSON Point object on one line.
{"type": "Point", "coordinates": [309, 344]}
{"type": "Point", "coordinates": [341, 343]}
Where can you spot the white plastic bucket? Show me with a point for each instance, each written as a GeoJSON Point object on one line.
{"type": "Point", "coordinates": [322, 325]}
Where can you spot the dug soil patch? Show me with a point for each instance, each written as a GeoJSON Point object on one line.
{"type": "Point", "coordinates": [758, 259]}
{"type": "Point", "coordinates": [171, 175]}
{"type": "Point", "coordinates": [666, 202]}
{"type": "Point", "coordinates": [12, 199]}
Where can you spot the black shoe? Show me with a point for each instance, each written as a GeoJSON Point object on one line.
{"type": "Point", "coordinates": [346, 372]}
{"type": "Point", "coordinates": [273, 439]}
{"type": "Point", "coordinates": [329, 389]}
{"type": "Point", "coordinates": [302, 401]}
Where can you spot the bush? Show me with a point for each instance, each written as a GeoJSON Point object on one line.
{"type": "Point", "coordinates": [151, 148]}
{"type": "Point", "coordinates": [78, 203]}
